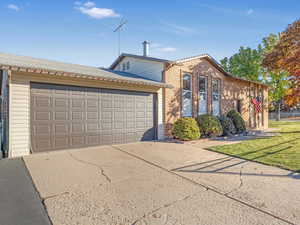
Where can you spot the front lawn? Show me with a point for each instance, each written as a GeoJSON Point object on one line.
{"type": "Point", "coordinates": [282, 151]}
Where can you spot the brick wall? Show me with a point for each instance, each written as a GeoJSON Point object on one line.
{"type": "Point", "coordinates": [232, 90]}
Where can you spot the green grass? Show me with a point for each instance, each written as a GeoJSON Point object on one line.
{"type": "Point", "coordinates": [282, 151]}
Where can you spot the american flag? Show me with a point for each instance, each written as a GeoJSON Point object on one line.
{"type": "Point", "coordinates": [257, 104]}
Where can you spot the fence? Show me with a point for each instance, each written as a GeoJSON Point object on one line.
{"type": "Point", "coordinates": [284, 115]}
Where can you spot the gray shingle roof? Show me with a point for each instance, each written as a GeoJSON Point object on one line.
{"type": "Point", "coordinates": [113, 65]}
{"type": "Point", "coordinates": [55, 66]}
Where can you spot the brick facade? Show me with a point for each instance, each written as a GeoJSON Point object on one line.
{"type": "Point", "coordinates": [232, 91]}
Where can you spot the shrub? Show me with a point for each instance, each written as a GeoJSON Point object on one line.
{"type": "Point", "coordinates": [238, 121]}
{"type": "Point", "coordinates": [227, 125]}
{"type": "Point", "coordinates": [209, 126]}
{"type": "Point", "coordinates": [186, 129]}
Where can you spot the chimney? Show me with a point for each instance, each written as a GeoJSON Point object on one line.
{"type": "Point", "coordinates": [146, 48]}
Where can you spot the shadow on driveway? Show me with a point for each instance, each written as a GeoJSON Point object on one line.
{"type": "Point", "coordinates": [19, 201]}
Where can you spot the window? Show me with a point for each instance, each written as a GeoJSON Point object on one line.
{"type": "Point", "coordinates": [128, 65]}
{"type": "Point", "coordinates": [187, 96]}
{"type": "Point", "coordinates": [216, 97]}
{"type": "Point", "coordinates": [123, 66]}
{"type": "Point", "coordinates": [238, 106]}
{"type": "Point", "coordinates": [202, 95]}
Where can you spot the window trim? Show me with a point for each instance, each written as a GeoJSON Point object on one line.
{"type": "Point", "coordinates": [206, 93]}
{"type": "Point", "coordinates": [219, 94]}
{"type": "Point", "coordinates": [190, 91]}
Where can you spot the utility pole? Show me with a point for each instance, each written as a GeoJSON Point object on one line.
{"type": "Point", "coordinates": [118, 29]}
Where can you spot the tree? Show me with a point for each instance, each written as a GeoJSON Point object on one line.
{"type": "Point", "coordinates": [246, 63]}
{"type": "Point", "coordinates": [276, 79]}
{"type": "Point", "coordinates": [285, 56]}
{"type": "Point", "coordinates": [278, 82]}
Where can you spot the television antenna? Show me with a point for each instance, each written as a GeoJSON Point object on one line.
{"type": "Point", "coordinates": [118, 29]}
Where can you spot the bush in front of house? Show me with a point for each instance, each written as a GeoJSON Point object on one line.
{"type": "Point", "coordinates": [238, 121]}
{"type": "Point", "coordinates": [186, 129]}
{"type": "Point", "coordinates": [209, 126]}
{"type": "Point", "coordinates": [227, 125]}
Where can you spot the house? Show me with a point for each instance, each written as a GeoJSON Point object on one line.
{"type": "Point", "coordinates": [201, 86]}
{"type": "Point", "coordinates": [48, 105]}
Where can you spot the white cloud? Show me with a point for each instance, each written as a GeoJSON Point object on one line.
{"type": "Point", "coordinates": [13, 7]}
{"type": "Point", "coordinates": [161, 48]}
{"type": "Point", "coordinates": [179, 29]}
{"type": "Point", "coordinates": [89, 8]}
{"type": "Point", "coordinates": [250, 11]}
{"type": "Point", "coordinates": [89, 4]}
{"type": "Point", "coordinates": [168, 49]}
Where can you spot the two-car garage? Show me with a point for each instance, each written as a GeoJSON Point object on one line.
{"type": "Point", "coordinates": [50, 105]}
{"type": "Point", "coordinates": [65, 116]}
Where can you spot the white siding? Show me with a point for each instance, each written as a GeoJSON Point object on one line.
{"type": "Point", "coordinates": [19, 118]}
{"type": "Point", "coordinates": [160, 118]}
{"type": "Point", "coordinates": [144, 68]}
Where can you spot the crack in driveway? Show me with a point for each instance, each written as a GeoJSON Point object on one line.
{"type": "Point", "coordinates": [92, 164]}
{"type": "Point", "coordinates": [164, 206]}
{"type": "Point", "coordinates": [54, 196]}
{"type": "Point", "coordinates": [240, 185]}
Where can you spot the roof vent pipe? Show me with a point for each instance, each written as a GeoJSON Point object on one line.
{"type": "Point", "coordinates": [146, 45]}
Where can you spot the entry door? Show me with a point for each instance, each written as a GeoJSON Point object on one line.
{"type": "Point", "coordinates": [202, 95]}
{"type": "Point", "coordinates": [187, 96]}
{"type": "Point", "coordinates": [216, 97]}
{"type": "Point", "coordinates": [64, 117]}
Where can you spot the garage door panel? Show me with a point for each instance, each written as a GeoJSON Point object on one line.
{"type": "Point", "coordinates": [43, 144]}
{"type": "Point", "coordinates": [78, 128]}
{"type": "Point", "coordinates": [93, 139]}
{"type": "Point", "coordinates": [42, 101]}
{"type": "Point", "coordinates": [77, 141]}
{"type": "Point", "coordinates": [77, 115]}
{"type": "Point", "coordinates": [65, 117]}
{"type": "Point", "coordinates": [42, 116]}
{"type": "Point", "coordinates": [77, 103]}
{"type": "Point", "coordinates": [42, 129]}
{"type": "Point", "coordinates": [61, 129]}
{"type": "Point", "coordinates": [61, 142]}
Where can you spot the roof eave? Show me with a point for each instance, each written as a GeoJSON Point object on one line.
{"type": "Point", "coordinates": [83, 76]}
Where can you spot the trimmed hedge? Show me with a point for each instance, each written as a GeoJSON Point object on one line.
{"type": "Point", "coordinates": [209, 126]}
{"type": "Point", "coordinates": [227, 125]}
{"type": "Point", "coordinates": [238, 121]}
{"type": "Point", "coordinates": [186, 129]}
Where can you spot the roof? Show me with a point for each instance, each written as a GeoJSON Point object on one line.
{"type": "Point", "coordinates": [219, 67]}
{"type": "Point", "coordinates": [123, 55]}
{"type": "Point", "coordinates": [29, 64]}
{"type": "Point", "coordinates": [207, 56]}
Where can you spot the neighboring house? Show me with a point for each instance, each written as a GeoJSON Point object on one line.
{"type": "Point", "coordinates": [48, 105]}
{"type": "Point", "coordinates": [201, 86]}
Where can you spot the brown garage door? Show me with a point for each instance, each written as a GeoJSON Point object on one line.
{"type": "Point", "coordinates": [65, 117]}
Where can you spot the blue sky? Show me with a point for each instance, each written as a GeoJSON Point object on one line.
{"type": "Point", "coordinates": [81, 31]}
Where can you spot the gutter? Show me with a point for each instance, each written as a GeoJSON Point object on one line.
{"type": "Point", "coordinates": [84, 76]}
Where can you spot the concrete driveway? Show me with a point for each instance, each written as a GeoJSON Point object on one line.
{"type": "Point", "coordinates": [162, 183]}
